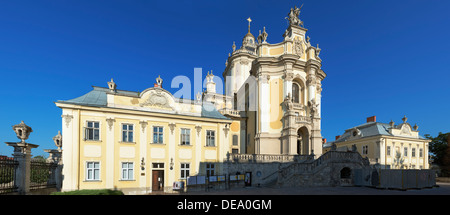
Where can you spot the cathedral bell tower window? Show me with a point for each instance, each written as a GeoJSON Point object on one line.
{"type": "Point", "coordinates": [295, 93]}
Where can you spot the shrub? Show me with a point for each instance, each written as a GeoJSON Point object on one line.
{"type": "Point", "coordinates": [90, 192]}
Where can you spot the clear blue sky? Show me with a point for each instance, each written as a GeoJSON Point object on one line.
{"type": "Point", "coordinates": [383, 58]}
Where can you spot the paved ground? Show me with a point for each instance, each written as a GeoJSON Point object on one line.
{"type": "Point", "coordinates": [442, 189]}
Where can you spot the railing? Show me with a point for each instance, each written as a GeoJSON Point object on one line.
{"type": "Point", "coordinates": [244, 51]}
{"type": "Point", "coordinates": [266, 158]}
{"type": "Point", "coordinates": [8, 168]}
{"type": "Point", "coordinates": [309, 167]}
{"type": "Point", "coordinates": [42, 174]}
{"type": "Point", "coordinates": [230, 112]}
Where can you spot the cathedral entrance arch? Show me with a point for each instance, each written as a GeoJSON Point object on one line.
{"type": "Point", "coordinates": [302, 141]}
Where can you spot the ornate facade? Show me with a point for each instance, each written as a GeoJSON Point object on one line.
{"type": "Point", "coordinates": [144, 141]}
{"type": "Point", "coordinates": [387, 145]}
{"type": "Point", "coordinates": [276, 90]}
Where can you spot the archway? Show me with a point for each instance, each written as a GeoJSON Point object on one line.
{"type": "Point", "coordinates": [302, 141]}
{"type": "Point", "coordinates": [346, 173]}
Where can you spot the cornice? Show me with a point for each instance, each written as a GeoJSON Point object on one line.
{"type": "Point", "coordinates": [116, 110]}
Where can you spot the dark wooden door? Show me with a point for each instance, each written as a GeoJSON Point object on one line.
{"type": "Point", "coordinates": [157, 180]}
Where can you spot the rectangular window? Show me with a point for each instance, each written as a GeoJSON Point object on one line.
{"type": "Point", "coordinates": [413, 152]}
{"type": "Point", "coordinates": [185, 136]}
{"type": "Point", "coordinates": [127, 171]}
{"type": "Point", "coordinates": [234, 151]}
{"type": "Point", "coordinates": [421, 153]}
{"type": "Point", "coordinates": [92, 171]}
{"type": "Point", "coordinates": [388, 151]}
{"type": "Point", "coordinates": [235, 140]}
{"type": "Point", "coordinates": [158, 134]}
{"type": "Point", "coordinates": [210, 169]}
{"type": "Point", "coordinates": [158, 165]}
{"type": "Point", "coordinates": [184, 170]}
{"type": "Point", "coordinates": [210, 138]}
{"type": "Point", "coordinates": [405, 151]}
{"type": "Point", "coordinates": [92, 131]}
{"type": "Point", "coordinates": [127, 133]}
{"type": "Point", "coordinates": [365, 150]}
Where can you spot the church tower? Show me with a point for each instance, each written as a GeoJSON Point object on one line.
{"type": "Point", "coordinates": [278, 88]}
{"type": "Point", "coordinates": [239, 63]}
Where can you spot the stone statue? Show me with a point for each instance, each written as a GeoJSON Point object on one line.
{"type": "Point", "coordinates": [313, 107]}
{"type": "Point", "coordinates": [293, 16]}
{"type": "Point", "coordinates": [288, 102]}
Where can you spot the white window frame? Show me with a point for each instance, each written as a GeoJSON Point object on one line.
{"type": "Point", "coordinates": [235, 137]}
{"type": "Point", "coordinates": [296, 99]}
{"type": "Point", "coordinates": [210, 168]}
{"type": "Point", "coordinates": [128, 131]}
{"type": "Point", "coordinates": [93, 169]}
{"type": "Point", "coordinates": [86, 129]}
{"type": "Point", "coordinates": [185, 169]}
{"type": "Point", "coordinates": [405, 151]}
{"type": "Point", "coordinates": [125, 171]}
{"type": "Point", "coordinates": [365, 150]}
{"type": "Point", "coordinates": [413, 152]}
{"type": "Point", "coordinates": [388, 151]}
{"type": "Point", "coordinates": [421, 153]}
{"type": "Point", "coordinates": [158, 133]}
{"type": "Point", "coordinates": [210, 138]}
{"type": "Point", "coordinates": [185, 138]}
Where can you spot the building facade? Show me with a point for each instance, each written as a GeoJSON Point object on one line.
{"type": "Point", "coordinates": [276, 89]}
{"type": "Point", "coordinates": [386, 144]}
{"type": "Point", "coordinates": [145, 141]}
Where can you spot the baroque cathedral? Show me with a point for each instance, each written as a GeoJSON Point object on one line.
{"type": "Point", "coordinates": [274, 91]}
{"type": "Point", "coordinates": [145, 141]}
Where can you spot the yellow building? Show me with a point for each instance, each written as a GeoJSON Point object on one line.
{"type": "Point", "coordinates": [391, 146]}
{"type": "Point", "coordinates": [140, 142]}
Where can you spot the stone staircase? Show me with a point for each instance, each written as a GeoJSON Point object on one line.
{"type": "Point", "coordinates": [324, 171]}
{"type": "Point", "coordinates": [297, 170]}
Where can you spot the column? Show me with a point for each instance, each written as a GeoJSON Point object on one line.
{"type": "Point", "coordinates": [143, 156]}
{"type": "Point", "coordinates": [264, 103]}
{"type": "Point", "coordinates": [172, 155]}
{"type": "Point", "coordinates": [55, 158]}
{"type": "Point", "coordinates": [109, 179]}
{"type": "Point", "coordinates": [198, 148]}
{"type": "Point", "coordinates": [22, 154]}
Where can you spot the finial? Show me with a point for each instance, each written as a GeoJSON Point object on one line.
{"type": "Point", "coordinates": [415, 127]}
{"type": "Point", "coordinates": [58, 140]}
{"type": "Point", "coordinates": [391, 123]}
{"type": "Point", "coordinates": [22, 131]}
{"type": "Point", "coordinates": [404, 119]}
{"type": "Point", "coordinates": [259, 38]}
{"type": "Point", "coordinates": [249, 20]}
{"type": "Point", "coordinates": [112, 86]}
{"type": "Point", "coordinates": [264, 34]}
{"type": "Point", "coordinates": [234, 46]}
{"type": "Point", "coordinates": [159, 81]}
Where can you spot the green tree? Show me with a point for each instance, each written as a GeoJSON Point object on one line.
{"type": "Point", "coordinates": [440, 152]}
{"type": "Point", "coordinates": [438, 147]}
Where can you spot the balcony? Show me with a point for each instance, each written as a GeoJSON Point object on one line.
{"type": "Point", "coordinates": [233, 113]}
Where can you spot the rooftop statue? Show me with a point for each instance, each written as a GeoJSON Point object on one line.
{"type": "Point", "coordinates": [293, 16]}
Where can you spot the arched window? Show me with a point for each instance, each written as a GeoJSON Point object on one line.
{"type": "Point", "coordinates": [295, 93]}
